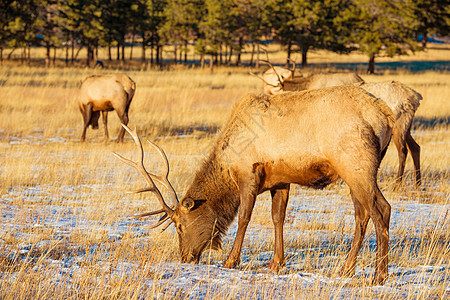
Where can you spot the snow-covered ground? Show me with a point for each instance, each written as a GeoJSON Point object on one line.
{"type": "Point", "coordinates": [30, 212]}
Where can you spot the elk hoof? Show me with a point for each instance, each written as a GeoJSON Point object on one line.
{"type": "Point", "coordinates": [378, 280]}
{"type": "Point", "coordinates": [347, 272]}
{"type": "Point", "coordinates": [230, 263]}
{"type": "Point", "coordinates": [276, 266]}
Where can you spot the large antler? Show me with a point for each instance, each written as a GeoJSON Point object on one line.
{"type": "Point", "coordinates": [151, 187]}
{"type": "Point", "coordinates": [294, 64]}
{"type": "Point", "coordinates": [280, 79]}
{"type": "Point", "coordinates": [268, 83]}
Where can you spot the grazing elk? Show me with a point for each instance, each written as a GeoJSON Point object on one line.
{"type": "Point", "coordinates": [103, 93]}
{"type": "Point", "coordinates": [310, 138]}
{"type": "Point", "coordinates": [276, 75]}
{"type": "Point", "coordinates": [402, 100]}
{"type": "Point", "coordinates": [278, 80]}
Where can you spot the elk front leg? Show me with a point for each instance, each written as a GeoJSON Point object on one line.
{"type": "Point", "coordinates": [414, 149]}
{"type": "Point", "coordinates": [105, 124]}
{"type": "Point", "coordinates": [361, 220]}
{"type": "Point", "coordinates": [248, 190]}
{"type": "Point", "coordinates": [279, 203]}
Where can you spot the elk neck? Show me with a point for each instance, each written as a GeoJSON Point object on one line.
{"type": "Point", "coordinates": [214, 185]}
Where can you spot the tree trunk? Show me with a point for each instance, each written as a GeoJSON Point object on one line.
{"type": "Point", "coordinates": [67, 55]}
{"type": "Point", "coordinates": [175, 53]}
{"type": "Point", "coordinates": [54, 56]}
{"type": "Point", "coordinates": [289, 52]}
{"type": "Point", "coordinates": [226, 55]}
{"type": "Point", "coordinates": [371, 68]}
{"type": "Point", "coordinates": [258, 50]}
{"type": "Point", "coordinates": [118, 52]}
{"type": "Point", "coordinates": [161, 58]}
{"type": "Point", "coordinates": [132, 44]}
{"type": "Point", "coordinates": [424, 40]}
{"type": "Point", "coordinates": [109, 52]}
{"type": "Point", "coordinates": [241, 45]}
{"type": "Point", "coordinates": [143, 50]}
{"type": "Point", "coordinates": [305, 56]}
{"type": "Point", "coordinates": [47, 55]}
{"type": "Point", "coordinates": [10, 54]}
{"type": "Point", "coordinates": [72, 57]}
{"type": "Point", "coordinates": [151, 55]}
{"type": "Point", "coordinates": [78, 52]}
{"type": "Point", "coordinates": [1, 56]}
{"type": "Point", "coordinates": [95, 56]}
{"type": "Point", "coordinates": [157, 55]}
{"type": "Point", "coordinates": [123, 49]}
{"type": "Point", "coordinates": [185, 52]}
{"type": "Point", "coordinates": [202, 61]}
{"type": "Point", "coordinates": [88, 57]}
{"type": "Point", "coordinates": [253, 53]}
{"type": "Point", "coordinates": [211, 63]}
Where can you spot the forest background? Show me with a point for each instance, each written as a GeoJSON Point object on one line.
{"type": "Point", "coordinates": [215, 31]}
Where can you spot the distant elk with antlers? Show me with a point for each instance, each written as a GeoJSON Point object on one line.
{"type": "Point", "coordinates": [278, 80]}
{"type": "Point", "coordinates": [268, 143]}
{"type": "Point", "coordinates": [403, 101]}
{"type": "Point", "coordinates": [103, 93]}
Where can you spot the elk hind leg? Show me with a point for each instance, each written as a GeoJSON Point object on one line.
{"type": "Point", "coordinates": [379, 211]}
{"type": "Point", "coordinates": [414, 149]}
{"type": "Point", "coordinates": [361, 220]}
{"type": "Point", "coordinates": [105, 124]}
{"type": "Point", "coordinates": [279, 202]}
{"type": "Point", "coordinates": [87, 115]}
{"type": "Point", "coordinates": [123, 116]}
{"type": "Point", "coordinates": [399, 138]}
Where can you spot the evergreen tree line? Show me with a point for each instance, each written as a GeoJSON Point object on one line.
{"type": "Point", "coordinates": [218, 29]}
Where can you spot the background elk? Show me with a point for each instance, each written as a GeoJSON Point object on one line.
{"type": "Point", "coordinates": [278, 80]}
{"type": "Point", "coordinates": [402, 100]}
{"type": "Point", "coordinates": [269, 143]}
{"type": "Point", "coordinates": [103, 93]}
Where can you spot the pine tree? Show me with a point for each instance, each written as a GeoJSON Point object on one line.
{"type": "Point", "coordinates": [429, 17]}
{"type": "Point", "coordinates": [381, 27]}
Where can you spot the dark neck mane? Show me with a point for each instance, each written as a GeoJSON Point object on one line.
{"type": "Point", "coordinates": [214, 184]}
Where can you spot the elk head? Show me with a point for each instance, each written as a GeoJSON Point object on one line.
{"type": "Point", "coordinates": [195, 223]}
{"type": "Point", "coordinates": [275, 77]}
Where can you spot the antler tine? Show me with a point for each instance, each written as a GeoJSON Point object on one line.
{"type": "Point", "coordinates": [274, 70]}
{"type": "Point", "coordinates": [167, 225]}
{"type": "Point", "coordinates": [159, 211]}
{"type": "Point", "coordinates": [139, 165]}
{"type": "Point", "coordinates": [253, 74]}
{"type": "Point", "coordinates": [294, 64]}
{"type": "Point", "coordinates": [161, 221]}
{"type": "Point", "coordinates": [164, 180]}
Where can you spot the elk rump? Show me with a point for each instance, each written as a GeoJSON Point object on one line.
{"type": "Point", "coordinates": [104, 93]}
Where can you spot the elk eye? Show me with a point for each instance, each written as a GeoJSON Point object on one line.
{"type": "Point", "coordinates": [179, 228]}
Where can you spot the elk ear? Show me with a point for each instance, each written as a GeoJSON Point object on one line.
{"type": "Point", "coordinates": [187, 204]}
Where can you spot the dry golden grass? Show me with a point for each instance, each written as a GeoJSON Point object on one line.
{"type": "Point", "coordinates": [64, 213]}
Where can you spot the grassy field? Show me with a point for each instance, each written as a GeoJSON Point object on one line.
{"type": "Point", "coordinates": [66, 231]}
